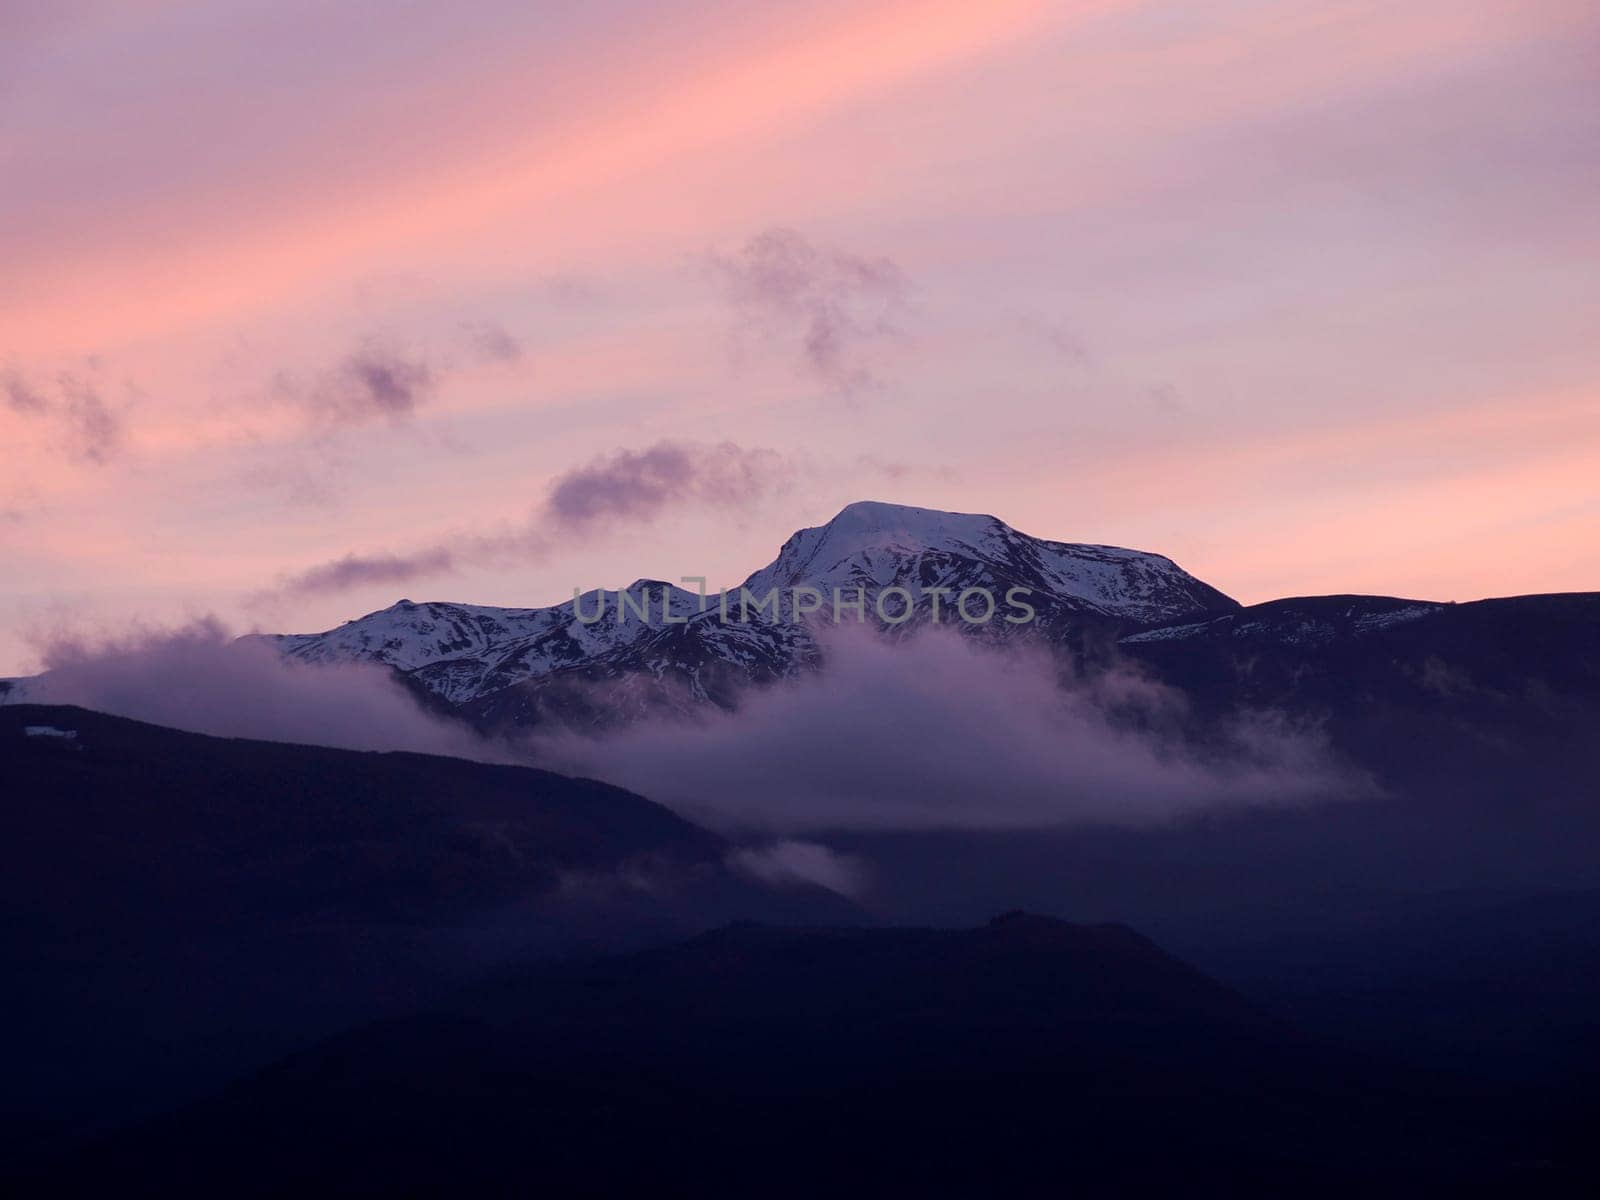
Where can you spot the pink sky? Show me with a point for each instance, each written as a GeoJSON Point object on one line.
{"type": "Point", "coordinates": [1301, 294]}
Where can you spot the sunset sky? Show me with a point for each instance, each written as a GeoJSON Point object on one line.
{"type": "Point", "coordinates": [309, 305]}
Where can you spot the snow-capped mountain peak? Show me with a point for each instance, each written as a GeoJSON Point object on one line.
{"type": "Point", "coordinates": [871, 528]}
{"type": "Point", "coordinates": [877, 545]}
{"type": "Point", "coordinates": [868, 523]}
{"type": "Point", "coordinates": [469, 654]}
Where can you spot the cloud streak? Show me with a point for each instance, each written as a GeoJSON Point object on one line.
{"type": "Point", "coordinates": [355, 570]}
{"type": "Point", "coordinates": [625, 489]}
{"type": "Point", "coordinates": [636, 486]}
{"type": "Point", "coordinates": [790, 863]}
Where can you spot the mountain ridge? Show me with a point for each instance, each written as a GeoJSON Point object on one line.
{"type": "Point", "coordinates": [612, 657]}
{"type": "Point", "coordinates": [907, 564]}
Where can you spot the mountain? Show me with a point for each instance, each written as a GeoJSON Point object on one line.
{"type": "Point", "coordinates": [1358, 641]}
{"type": "Point", "coordinates": [182, 910]}
{"type": "Point", "coordinates": [1485, 684]}
{"type": "Point", "coordinates": [1382, 671]}
{"type": "Point", "coordinates": [513, 666]}
{"type": "Point", "coordinates": [1013, 1058]}
{"type": "Point", "coordinates": [1479, 698]}
{"type": "Point", "coordinates": [878, 546]}
{"type": "Point", "coordinates": [179, 905]}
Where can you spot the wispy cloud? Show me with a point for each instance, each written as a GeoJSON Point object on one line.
{"type": "Point", "coordinates": [323, 413]}
{"type": "Point", "coordinates": [85, 425]}
{"type": "Point", "coordinates": [827, 305]}
{"type": "Point", "coordinates": [632, 486]}
{"type": "Point", "coordinates": [788, 863]}
{"type": "Point", "coordinates": [375, 382]}
{"type": "Point", "coordinates": [94, 430]}
{"type": "Point", "coordinates": [491, 342]}
{"type": "Point", "coordinates": [355, 570]}
{"type": "Point", "coordinates": [21, 396]}
{"type": "Point", "coordinates": [898, 471]}
{"type": "Point", "coordinates": [625, 489]}
{"type": "Point", "coordinates": [1056, 335]}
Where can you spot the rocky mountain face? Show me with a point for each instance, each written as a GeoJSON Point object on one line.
{"type": "Point", "coordinates": [890, 566]}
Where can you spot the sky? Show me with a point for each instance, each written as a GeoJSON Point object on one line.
{"type": "Point", "coordinates": [308, 305]}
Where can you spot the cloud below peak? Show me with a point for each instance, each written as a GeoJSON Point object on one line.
{"type": "Point", "coordinates": [936, 731]}
{"type": "Point", "coordinates": [201, 679]}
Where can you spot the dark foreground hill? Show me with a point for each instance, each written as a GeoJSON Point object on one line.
{"type": "Point", "coordinates": [179, 907]}
{"type": "Point", "coordinates": [1026, 1057]}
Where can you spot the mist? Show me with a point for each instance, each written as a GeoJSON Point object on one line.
{"type": "Point", "coordinates": [939, 731]}
{"type": "Point", "coordinates": [199, 678]}
{"type": "Point", "coordinates": [927, 732]}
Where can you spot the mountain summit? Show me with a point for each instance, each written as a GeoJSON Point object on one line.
{"type": "Point", "coordinates": [485, 659]}
{"type": "Point", "coordinates": [876, 545]}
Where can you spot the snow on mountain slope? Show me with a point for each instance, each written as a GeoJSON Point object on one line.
{"type": "Point", "coordinates": [466, 653]}
{"type": "Point", "coordinates": [459, 651]}
{"type": "Point", "coordinates": [878, 545]}
{"type": "Point", "coordinates": [1302, 621]}
{"type": "Point", "coordinates": [407, 635]}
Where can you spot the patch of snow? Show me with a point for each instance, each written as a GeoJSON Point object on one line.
{"type": "Point", "coordinates": [1398, 616]}
{"type": "Point", "coordinates": [50, 731]}
{"type": "Point", "coordinates": [1170, 633]}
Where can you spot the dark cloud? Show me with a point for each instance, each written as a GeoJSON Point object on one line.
{"type": "Point", "coordinates": [621, 490]}
{"type": "Point", "coordinates": [201, 679]}
{"type": "Point", "coordinates": [86, 426]}
{"type": "Point", "coordinates": [21, 396]}
{"type": "Point", "coordinates": [634, 486]}
{"type": "Point", "coordinates": [94, 431]}
{"type": "Point", "coordinates": [373, 383]}
{"type": "Point", "coordinates": [829, 303]}
{"type": "Point", "coordinates": [939, 731]}
{"type": "Point", "coordinates": [490, 342]}
{"type": "Point", "coordinates": [353, 571]}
